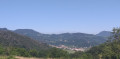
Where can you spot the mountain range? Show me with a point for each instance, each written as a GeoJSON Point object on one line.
{"type": "Point", "coordinates": [68, 39]}
{"type": "Point", "coordinates": [32, 38]}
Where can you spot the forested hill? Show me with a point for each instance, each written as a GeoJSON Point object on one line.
{"type": "Point", "coordinates": [11, 39]}
{"type": "Point", "coordinates": [110, 49]}
{"type": "Point", "coordinates": [107, 50]}
{"type": "Point", "coordinates": [104, 34]}
{"type": "Point", "coordinates": [69, 39]}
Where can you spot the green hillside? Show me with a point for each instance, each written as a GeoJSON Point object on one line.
{"type": "Point", "coordinates": [108, 50]}
{"type": "Point", "coordinates": [12, 44]}
{"type": "Point", "coordinates": [9, 39]}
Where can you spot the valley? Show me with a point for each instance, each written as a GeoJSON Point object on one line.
{"type": "Point", "coordinates": [23, 47]}
{"type": "Point", "coordinates": [59, 29]}
{"type": "Point", "coordinates": [20, 46]}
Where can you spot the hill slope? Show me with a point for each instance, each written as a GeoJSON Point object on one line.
{"type": "Point", "coordinates": [110, 49]}
{"type": "Point", "coordinates": [8, 38]}
{"type": "Point", "coordinates": [69, 39]}
{"type": "Point", "coordinates": [104, 34]}
{"type": "Point", "coordinates": [107, 50]}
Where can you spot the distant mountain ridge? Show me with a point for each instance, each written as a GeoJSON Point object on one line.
{"type": "Point", "coordinates": [11, 39]}
{"type": "Point", "coordinates": [104, 34]}
{"type": "Point", "coordinates": [69, 39]}
{"type": "Point", "coordinates": [3, 29]}
{"type": "Point", "coordinates": [30, 33]}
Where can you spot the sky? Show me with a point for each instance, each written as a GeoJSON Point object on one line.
{"type": "Point", "coordinates": [60, 16]}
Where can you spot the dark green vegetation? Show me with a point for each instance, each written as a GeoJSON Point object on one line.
{"type": "Point", "coordinates": [68, 39]}
{"type": "Point", "coordinates": [11, 39]}
{"type": "Point", "coordinates": [108, 50]}
{"type": "Point", "coordinates": [49, 53]}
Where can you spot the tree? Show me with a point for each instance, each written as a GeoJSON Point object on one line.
{"type": "Point", "coordinates": [1, 50]}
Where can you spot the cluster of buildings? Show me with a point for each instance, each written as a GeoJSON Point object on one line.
{"type": "Point", "coordinates": [69, 48]}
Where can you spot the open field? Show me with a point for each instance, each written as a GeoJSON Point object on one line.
{"type": "Point", "coordinates": [18, 57]}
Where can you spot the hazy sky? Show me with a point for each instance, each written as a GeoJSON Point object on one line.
{"type": "Point", "coordinates": [57, 16]}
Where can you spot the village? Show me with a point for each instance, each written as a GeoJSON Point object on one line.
{"type": "Point", "coordinates": [70, 48]}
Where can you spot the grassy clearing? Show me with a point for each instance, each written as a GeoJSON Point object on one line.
{"type": "Point", "coordinates": [3, 57]}
{"type": "Point", "coordinates": [18, 57]}
{"type": "Point", "coordinates": [7, 57]}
